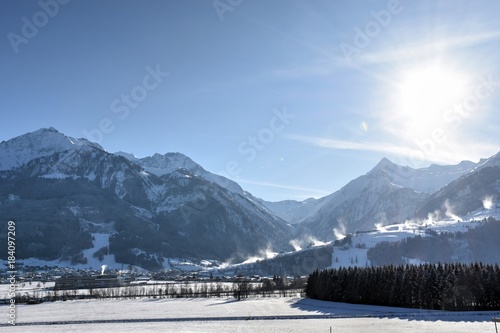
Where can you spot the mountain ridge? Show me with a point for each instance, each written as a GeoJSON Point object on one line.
{"type": "Point", "coordinates": [43, 142]}
{"type": "Point", "coordinates": [61, 188]}
{"type": "Point", "coordinates": [167, 205]}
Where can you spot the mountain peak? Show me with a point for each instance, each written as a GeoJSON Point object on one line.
{"type": "Point", "coordinates": [128, 156]}
{"type": "Point", "coordinates": [44, 130]}
{"type": "Point", "coordinates": [384, 164]}
{"type": "Point", "coordinates": [42, 142]}
{"type": "Point", "coordinates": [489, 162]}
{"type": "Point", "coordinates": [159, 164]}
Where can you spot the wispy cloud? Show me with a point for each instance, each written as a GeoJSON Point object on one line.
{"type": "Point", "coordinates": [311, 191]}
{"type": "Point", "coordinates": [407, 154]}
{"type": "Point", "coordinates": [384, 147]}
{"type": "Point", "coordinates": [416, 49]}
{"type": "Point", "coordinates": [331, 62]}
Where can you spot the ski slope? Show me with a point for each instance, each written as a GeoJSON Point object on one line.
{"type": "Point", "coordinates": [356, 254]}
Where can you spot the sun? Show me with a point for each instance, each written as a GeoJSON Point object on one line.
{"type": "Point", "coordinates": [424, 95]}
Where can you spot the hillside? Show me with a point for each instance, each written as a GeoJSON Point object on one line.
{"type": "Point", "coordinates": [61, 191]}
{"type": "Point", "coordinates": [77, 203]}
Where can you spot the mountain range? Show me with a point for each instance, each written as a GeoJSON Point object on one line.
{"type": "Point", "coordinates": [63, 192]}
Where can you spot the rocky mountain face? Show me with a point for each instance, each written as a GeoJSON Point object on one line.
{"type": "Point", "coordinates": [160, 165]}
{"type": "Point", "coordinates": [361, 204]}
{"type": "Point", "coordinates": [475, 190]}
{"type": "Point", "coordinates": [426, 180]}
{"type": "Point", "coordinates": [388, 194]}
{"type": "Point", "coordinates": [292, 211]}
{"type": "Point", "coordinates": [60, 190]}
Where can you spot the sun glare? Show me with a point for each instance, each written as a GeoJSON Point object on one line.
{"type": "Point", "coordinates": [425, 93]}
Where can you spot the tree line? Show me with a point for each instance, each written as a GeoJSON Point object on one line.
{"type": "Point", "coordinates": [453, 287]}
{"type": "Point", "coordinates": [241, 288]}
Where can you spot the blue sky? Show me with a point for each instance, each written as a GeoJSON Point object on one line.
{"type": "Point", "coordinates": [292, 99]}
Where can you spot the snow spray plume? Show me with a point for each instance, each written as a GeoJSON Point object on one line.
{"type": "Point", "coordinates": [432, 217]}
{"type": "Point", "coordinates": [340, 232]}
{"type": "Point", "coordinates": [262, 254]}
{"type": "Point", "coordinates": [449, 211]}
{"type": "Point", "coordinates": [295, 244]}
{"type": "Point", "coordinates": [312, 241]}
{"type": "Point", "coordinates": [413, 224]}
{"type": "Point", "coordinates": [380, 226]}
{"type": "Point", "coordinates": [488, 202]}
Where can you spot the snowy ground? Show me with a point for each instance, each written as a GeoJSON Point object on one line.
{"type": "Point", "coordinates": [229, 315]}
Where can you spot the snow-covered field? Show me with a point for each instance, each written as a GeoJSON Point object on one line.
{"type": "Point", "coordinates": [230, 315]}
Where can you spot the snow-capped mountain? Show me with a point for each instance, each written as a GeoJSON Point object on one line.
{"type": "Point", "coordinates": [292, 211]}
{"type": "Point", "coordinates": [388, 194]}
{"type": "Point", "coordinates": [493, 161]}
{"type": "Point", "coordinates": [364, 202]}
{"type": "Point", "coordinates": [44, 142]}
{"type": "Point", "coordinates": [425, 180]}
{"type": "Point", "coordinates": [67, 195]}
{"type": "Point", "coordinates": [422, 181]}
{"type": "Point", "coordinates": [165, 164]}
{"type": "Point", "coordinates": [63, 190]}
{"type": "Point", "coordinates": [474, 190]}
